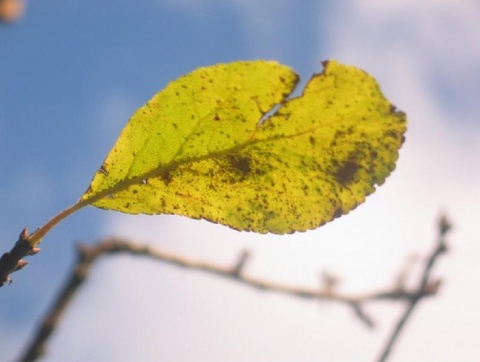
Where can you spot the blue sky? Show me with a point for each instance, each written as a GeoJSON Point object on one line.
{"type": "Point", "coordinates": [72, 73]}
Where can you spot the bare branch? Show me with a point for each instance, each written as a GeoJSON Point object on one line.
{"type": "Point", "coordinates": [426, 286]}
{"type": "Point", "coordinates": [88, 254]}
{"type": "Point", "coordinates": [50, 322]}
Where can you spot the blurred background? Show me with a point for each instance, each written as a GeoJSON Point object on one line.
{"type": "Point", "coordinates": [73, 72]}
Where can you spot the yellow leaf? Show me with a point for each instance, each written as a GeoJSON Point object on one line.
{"type": "Point", "coordinates": [202, 148]}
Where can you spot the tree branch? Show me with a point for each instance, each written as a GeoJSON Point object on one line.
{"type": "Point", "coordinates": [426, 286]}
{"type": "Point", "coordinates": [87, 255]}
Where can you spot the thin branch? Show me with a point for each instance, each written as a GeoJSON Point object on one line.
{"type": "Point", "coordinates": [426, 286]}
{"type": "Point", "coordinates": [87, 255]}
{"type": "Point", "coordinates": [50, 322]}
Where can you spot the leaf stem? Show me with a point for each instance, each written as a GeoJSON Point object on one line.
{"type": "Point", "coordinates": [38, 235]}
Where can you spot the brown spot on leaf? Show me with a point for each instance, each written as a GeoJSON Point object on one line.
{"type": "Point", "coordinates": [240, 163]}
{"type": "Point", "coordinates": [259, 172]}
{"type": "Point", "coordinates": [346, 172]}
{"type": "Point", "coordinates": [166, 177]}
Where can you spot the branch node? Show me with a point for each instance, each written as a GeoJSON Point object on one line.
{"type": "Point", "coordinates": [240, 264]}
{"type": "Point", "coordinates": [444, 224]}
{"type": "Point", "coordinates": [35, 250]}
{"type": "Point", "coordinates": [432, 287]}
{"type": "Point", "coordinates": [23, 235]}
{"type": "Point", "coordinates": [360, 312]}
{"type": "Point", "coordinates": [12, 261]}
{"type": "Point", "coordinates": [21, 263]}
{"type": "Point", "coordinates": [329, 281]}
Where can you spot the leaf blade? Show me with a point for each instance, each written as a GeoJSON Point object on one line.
{"type": "Point", "coordinates": [314, 159]}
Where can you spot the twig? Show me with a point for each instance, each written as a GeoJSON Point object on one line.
{"type": "Point", "coordinates": [88, 254]}
{"type": "Point", "coordinates": [12, 261]}
{"type": "Point", "coordinates": [425, 287]}
{"type": "Point", "coordinates": [74, 281]}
